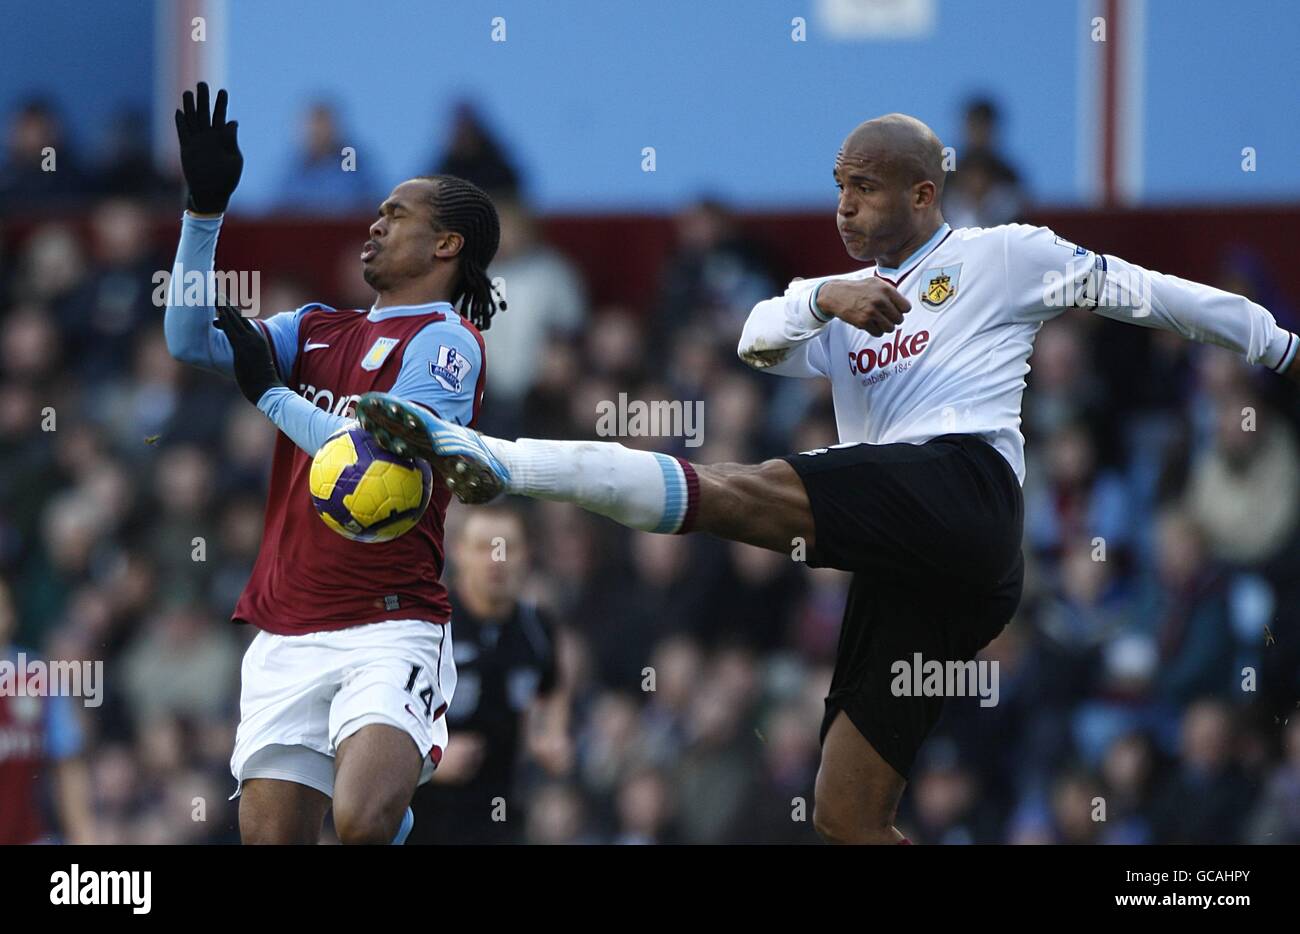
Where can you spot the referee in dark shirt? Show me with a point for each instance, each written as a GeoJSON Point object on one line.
{"type": "Point", "coordinates": [508, 693]}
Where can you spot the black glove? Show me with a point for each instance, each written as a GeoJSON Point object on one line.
{"type": "Point", "coordinates": [210, 155]}
{"type": "Point", "coordinates": [254, 367]}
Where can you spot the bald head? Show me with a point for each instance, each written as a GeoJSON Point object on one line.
{"type": "Point", "coordinates": [901, 147]}
{"type": "Point", "coordinates": [890, 175]}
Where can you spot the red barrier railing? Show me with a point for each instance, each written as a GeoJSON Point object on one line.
{"type": "Point", "coordinates": [621, 256]}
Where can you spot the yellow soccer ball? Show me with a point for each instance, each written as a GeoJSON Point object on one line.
{"type": "Point", "coordinates": [363, 492]}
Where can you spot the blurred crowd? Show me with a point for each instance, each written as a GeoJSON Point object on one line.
{"type": "Point", "coordinates": [1152, 667]}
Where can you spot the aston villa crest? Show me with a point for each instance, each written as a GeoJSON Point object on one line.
{"type": "Point", "coordinates": [938, 285]}
{"type": "Point", "coordinates": [378, 353]}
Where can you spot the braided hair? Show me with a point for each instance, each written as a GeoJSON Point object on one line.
{"type": "Point", "coordinates": [464, 208]}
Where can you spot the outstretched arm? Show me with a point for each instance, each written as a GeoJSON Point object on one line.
{"type": "Point", "coordinates": [1197, 312]}
{"type": "Point", "coordinates": [191, 311]}
{"type": "Point", "coordinates": [187, 321]}
{"type": "Point", "coordinates": [1047, 275]}
{"type": "Point", "coordinates": [212, 163]}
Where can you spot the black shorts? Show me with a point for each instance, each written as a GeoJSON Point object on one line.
{"type": "Point", "coordinates": [932, 535]}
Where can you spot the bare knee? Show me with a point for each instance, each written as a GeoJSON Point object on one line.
{"type": "Point", "coordinates": [369, 819]}
{"type": "Point", "coordinates": [375, 774]}
{"type": "Point", "coordinates": [843, 826]}
{"type": "Point", "coordinates": [259, 831]}
{"type": "Point", "coordinates": [830, 825]}
{"type": "Point", "coordinates": [835, 823]}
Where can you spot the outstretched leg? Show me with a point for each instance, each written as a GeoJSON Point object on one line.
{"type": "Point", "coordinates": [758, 504]}
{"type": "Point", "coordinates": [931, 531]}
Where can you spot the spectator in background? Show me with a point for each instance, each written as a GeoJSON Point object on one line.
{"type": "Point", "coordinates": [612, 745]}
{"type": "Point", "coordinates": [948, 806]}
{"type": "Point", "coordinates": [508, 698]}
{"type": "Point", "coordinates": [31, 347]}
{"type": "Point", "coordinates": [545, 410]}
{"type": "Point", "coordinates": [1277, 818]}
{"type": "Point", "coordinates": [50, 267]}
{"type": "Point", "coordinates": [664, 598]}
{"type": "Point", "coordinates": [113, 305]}
{"type": "Point", "coordinates": [1208, 798]}
{"type": "Point", "coordinates": [1064, 388]}
{"type": "Point", "coordinates": [1245, 490]}
{"type": "Point", "coordinates": [754, 598]}
{"type": "Point", "coordinates": [1074, 807]}
{"type": "Point", "coordinates": [779, 801]}
{"type": "Point", "coordinates": [182, 507]}
{"type": "Point", "coordinates": [557, 815]}
{"type": "Point", "coordinates": [816, 626]}
{"type": "Point", "coordinates": [147, 404]}
{"type": "Point", "coordinates": [984, 190]}
{"type": "Point", "coordinates": [183, 663]}
{"type": "Point", "coordinates": [645, 809]}
{"type": "Point", "coordinates": [1088, 607]}
{"type": "Point", "coordinates": [573, 558]}
{"type": "Point", "coordinates": [126, 167]}
{"type": "Point", "coordinates": [546, 301]}
{"type": "Point", "coordinates": [1128, 772]}
{"type": "Point", "coordinates": [40, 169]}
{"type": "Point", "coordinates": [722, 753]}
{"type": "Point", "coordinates": [1188, 608]}
{"type": "Point", "coordinates": [715, 276]}
{"type": "Point", "coordinates": [677, 663]}
{"type": "Point", "coordinates": [320, 179]}
{"type": "Point", "coordinates": [1072, 500]}
{"type": "Point", "coordinates": [40, 742]}
{"type": "Point", "coordinates": [474, 154]}
{"type": "Point", "coordinates": [1179, 648]}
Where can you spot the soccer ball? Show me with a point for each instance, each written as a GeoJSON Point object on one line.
{"type": "Point", "coordinates": [363, 492]}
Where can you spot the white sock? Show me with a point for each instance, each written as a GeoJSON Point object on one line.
{"type": "Point", "coordinates": [642, 489]}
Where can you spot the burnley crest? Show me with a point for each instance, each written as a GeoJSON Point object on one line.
{"type": "Point", "coordinates": [938, 285]}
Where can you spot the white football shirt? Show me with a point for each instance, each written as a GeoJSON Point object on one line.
{"type": "Point", "coordinates": [958, 361]}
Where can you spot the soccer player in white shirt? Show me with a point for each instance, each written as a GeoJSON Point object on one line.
{"type": "Point", "coordinates": [927, 352]}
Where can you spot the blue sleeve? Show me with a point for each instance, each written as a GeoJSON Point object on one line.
{"type": "Point", "coordinates": [187, 323]}
{"type": "Point", "coordinates": [62, 731]}
{"type": "Point", "coordinates": [306, 424]}
{"type": "Point", "coordinates": [441, 369]}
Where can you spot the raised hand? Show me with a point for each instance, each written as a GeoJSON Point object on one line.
{"type": "Point", "coordinates": [210, 155]}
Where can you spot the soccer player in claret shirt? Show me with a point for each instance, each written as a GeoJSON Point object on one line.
{"type": "Point", "coordinates": [927, 351]}
{"type": "Point", "coordinates": [344, 689]}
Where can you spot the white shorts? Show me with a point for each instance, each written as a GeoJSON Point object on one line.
{"type": "Point", "coordinates": [302, 696]}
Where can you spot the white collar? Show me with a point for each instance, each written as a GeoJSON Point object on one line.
{"type": "Point", "coordinates": [915, 259]}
